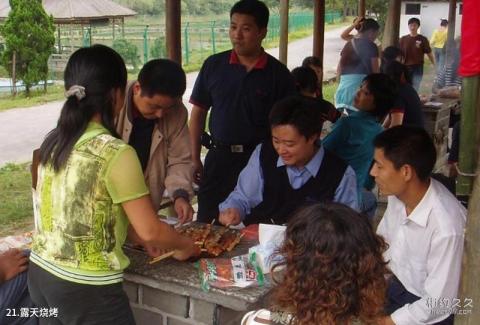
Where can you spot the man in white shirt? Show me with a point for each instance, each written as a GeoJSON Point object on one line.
{"type": "Point", "coordinates": [424, 227]}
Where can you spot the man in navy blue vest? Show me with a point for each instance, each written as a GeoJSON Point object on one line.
{"type": "Point", "coordinates": [289, 170]}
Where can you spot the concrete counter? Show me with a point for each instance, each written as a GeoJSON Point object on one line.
{"type": "Point", "coordinates": [169, 292]}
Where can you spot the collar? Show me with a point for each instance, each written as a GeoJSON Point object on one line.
{"type": "Point", "coordinates": [93, 130]}
{"type": "Point", "coordinates": [313, 165]}
{"type": "Point", "coordinates": [260, 64]}
{"type": "Point", "coordinates": [421, 212]}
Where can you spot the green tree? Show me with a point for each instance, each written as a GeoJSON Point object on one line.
{"type": "Point", "coordinates": [128, 51]}
{"type": "Point", "coordinates": [30, 34]}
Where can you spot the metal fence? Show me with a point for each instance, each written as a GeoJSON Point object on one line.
{"type": "Point", "coordinates": [199, 39]}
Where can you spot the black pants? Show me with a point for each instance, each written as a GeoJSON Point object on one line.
{"type": "Point", "coordinates": [78, 303]}
{"type": "Point", "coordinates": [398, 296]}
{"type": "Point", "coordinates": [220, 175]}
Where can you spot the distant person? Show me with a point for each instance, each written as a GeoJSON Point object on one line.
{"type": "Point", "coordinates": [414, 46]}
{"type": "Point", "coordinates": [14, 293]}
{"type": "Point", "coordinates": [153, 120]}
{"type": "Point", "coordinates": [306, 84]}
{"type": "Point", "coordinates": [316, 65]}
{"type": "Point", "coordinates": [334, 271]}
{"type": "Point", "coordinates": [437, 42]}
{"type": "Point", "coordinates": [424, 227]}
{"type": "Point", "coordinates": [352, 136]}
{"type": "Point", "coordinates": [358, 58]}
{"type": "Point", "coordinates": [407, 108]}
{"type": "Point", "coordinates": [288, 170]}
{"type": "Point", "coordinates": [238, 88]}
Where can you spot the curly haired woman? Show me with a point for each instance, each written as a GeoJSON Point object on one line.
{"type": "Point", "coordinates": [334, 270]}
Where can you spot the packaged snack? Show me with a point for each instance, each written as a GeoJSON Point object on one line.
{"type": "Point", "coordinates": [239, 271]}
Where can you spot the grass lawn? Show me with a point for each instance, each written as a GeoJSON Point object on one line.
{"type": "Point", "coordinates": [36, 97]}
{"type": "Point", "coordinates": [16, 213]}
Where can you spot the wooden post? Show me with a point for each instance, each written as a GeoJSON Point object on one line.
{"type": "Point", "coordinates": [123, 27]}
{"type": "Point", "coordinates": [469, 290]}
{"type": "Point", "coordinates": [392, 24]}
{"type": "Point", "coordinates": [59, 41]}
{"type": "Point", "coordinates": [318, 28]}
{"type": "Point", "coordinates": [361, 8]}
{"type": "Point", "coordinates": [113, 28]}
{"type": "Point", "coordinates": [173, 25]}
{"type": "Point", "coordinates": [469, 133]}
{"type": "Point", "coordinates": [450, 43]}
{"type": "Point", "coordinates": [283, 31]}
{"type": "Point", "coordinates": [14, 74]}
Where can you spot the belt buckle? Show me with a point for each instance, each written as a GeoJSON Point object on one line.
{"type": "Point", "coordinates": [236, 148]}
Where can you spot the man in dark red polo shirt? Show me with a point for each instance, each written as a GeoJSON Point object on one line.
{"type": "Point", "coordinates": [414, 46]}
{"type": "Point", "coordinates": [238, 88]}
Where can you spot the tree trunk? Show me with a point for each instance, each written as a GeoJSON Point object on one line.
{"type": "Point", "coordinates": [14, 77]}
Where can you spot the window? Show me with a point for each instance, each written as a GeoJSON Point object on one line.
{"type": "Point", "coordinates": [460, 9]}
{"type": "Point", "coordinates": [412, 9]}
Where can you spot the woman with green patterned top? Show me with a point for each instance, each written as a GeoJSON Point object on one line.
{"type": "Point", "coordinates": [90, 188]}
{"type": "Point", "coordinates": [334, 270]}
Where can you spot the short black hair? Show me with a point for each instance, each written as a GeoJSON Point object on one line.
{"type": "Point", "coordinates": [408, 145]}
{"type": "Point", "coordinates": [390, 53]}
{"type": "Point", "coordinates": [395, 70]}
{"type": "Point", "coordinates": [414, 20]}
{"type": "Point", "coordinates": [299, 112]}
{"type": "Point", "coordinates": [443, 22]}
{"type": "Point", "coordinates": [369, 24]}
{"type": "Point", "coordinates": [312, 60]}
{"type": "Point", "coordinates": [162, 77]}
{"type": "Point", "coordinates": [384, 91]}
{"type": "Point", "coordinates": [305, 79]}
{"type": "Point", "coordinates": [255, 8]}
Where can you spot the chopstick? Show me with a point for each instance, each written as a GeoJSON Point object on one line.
{"type": "Point", "coordinates": [167, 255]}
{"type": "Point", "coordinates": [161, 257]}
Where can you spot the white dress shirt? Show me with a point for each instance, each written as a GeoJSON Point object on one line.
{"type": "Point", "coordinates": [425, 252]}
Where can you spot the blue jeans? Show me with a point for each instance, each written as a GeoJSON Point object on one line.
{"type": "Point", "coordinates": [439, 58]}
{"type": "Point", "coordinates": [416, 71]}
{"type": "Point", "coordinates": [14, 296]}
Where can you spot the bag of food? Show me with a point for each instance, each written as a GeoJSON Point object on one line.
{"type": "Point", "coordinates": [239, 271]}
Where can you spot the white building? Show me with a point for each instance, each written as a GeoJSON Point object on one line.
{"type": "Point", "coordinates": [430, 13]}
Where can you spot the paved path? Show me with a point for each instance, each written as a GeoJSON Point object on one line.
{"type": "Point", "coordinates": [23, 129]}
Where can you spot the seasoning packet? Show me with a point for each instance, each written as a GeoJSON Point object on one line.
{"type": "Point", "coordinates": [239, 271]}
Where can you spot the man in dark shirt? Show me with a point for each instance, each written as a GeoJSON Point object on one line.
{"type": "Point", "coordinates": [238, 87]}
{"type": "Point", "coordinates": [414, 46]}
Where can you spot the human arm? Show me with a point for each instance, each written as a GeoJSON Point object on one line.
{"type": "Point", "coordinates": [126, 186]}
{"type": "Point", "coordinates": [347, 191]}
{"type": "Point", "coordinates": [345, 35]}
{"type": "Point", "coordinates": [247, 194]}
{"type": "Point", "coordinates": [154, 233]}
{"type": "Point", "coordinates": [12, 263]}
{"type": "Point", "coordinates": [375, 65]}
{"type": "Point", "coordinates": [198, 118]}
{"type": "Point", "coordinates": [338, 137]}
{"type": "Point", "coordinates": [393, 119]}
{"type": "Point", "coordinates": [178, 179]}
{"type": "Point", "coordinates": [441, 284]}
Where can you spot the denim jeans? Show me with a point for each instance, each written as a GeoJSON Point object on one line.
{"type": "Point", "coordinates": [416, 72]}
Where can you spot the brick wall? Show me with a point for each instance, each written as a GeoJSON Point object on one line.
{"type": "Point", "coordinates": [152, 306]}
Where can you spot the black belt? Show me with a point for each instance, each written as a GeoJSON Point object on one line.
{"type": "Point", "coordinates": [236, 148]}
{"type": "Point", "coordinates": [208, 142]}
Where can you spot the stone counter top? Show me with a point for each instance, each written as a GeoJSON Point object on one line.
{"type": "Point", "coordinates": [182, 278]}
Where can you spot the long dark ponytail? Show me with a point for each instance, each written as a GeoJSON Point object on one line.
{"type": "Point", "coordinates": [100, 71]}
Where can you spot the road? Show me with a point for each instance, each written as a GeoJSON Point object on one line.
{"type": "Point", "coordinates": [23, 129]}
